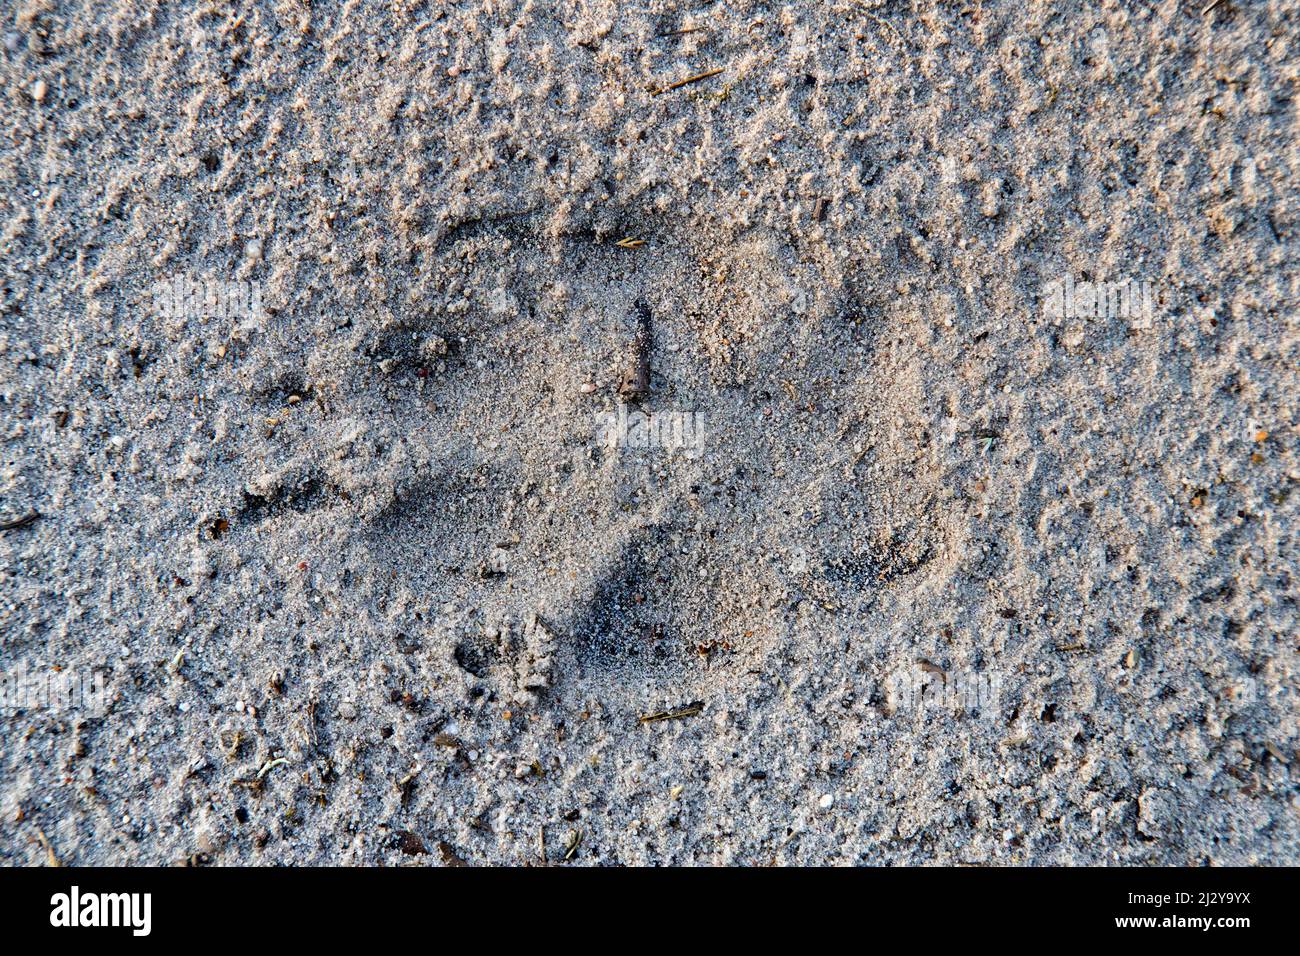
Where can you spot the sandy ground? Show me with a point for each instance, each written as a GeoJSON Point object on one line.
{"type": "Point", "coordinates": [371, 574]}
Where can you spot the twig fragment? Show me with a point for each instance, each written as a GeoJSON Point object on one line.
{"type": "Point", "coordinates": [271, 765]}
{"type": "Point", "coordinates": [574, 841]}
{"type": "Point", "coordinates": [13, 524]}
{"type": "Point", "coordinates": [690, 79]}
{"type": "Point", "coordinates": [688, 711]}
{"type": "Point", "coordinates": [311, 724]}
{"type": "Point", "coordinates": [50, 858]}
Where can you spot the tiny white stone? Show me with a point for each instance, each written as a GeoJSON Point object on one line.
{"type": "Point", "coordinates": [827, 801]}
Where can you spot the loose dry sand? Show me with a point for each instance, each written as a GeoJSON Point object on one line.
{"type": "Point", "coordinates": [364, 582]}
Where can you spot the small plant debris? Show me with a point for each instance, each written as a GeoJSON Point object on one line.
{"type": "Point", "coordinates": [690, 79]}
{"type": "Point", "coordinates": [22, 521]}
{"type": "Point", "coordinates": [690, 710]}
{"type": "Point", "coordinates": [572, 843]}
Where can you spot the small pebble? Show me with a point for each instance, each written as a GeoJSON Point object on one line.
{"type": "Point", "coordinates": [39, 89]}
{"type": "Point", "coordinates": [827, 801]}
{"type": "Point", "coordinates": [587, 388]}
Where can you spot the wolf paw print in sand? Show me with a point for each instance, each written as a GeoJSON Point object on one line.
{"type": "Point", "coordinates": [653, 564]}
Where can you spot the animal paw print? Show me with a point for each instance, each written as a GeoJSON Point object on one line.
{"type": "Point", "coordinates": [518, 657]}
